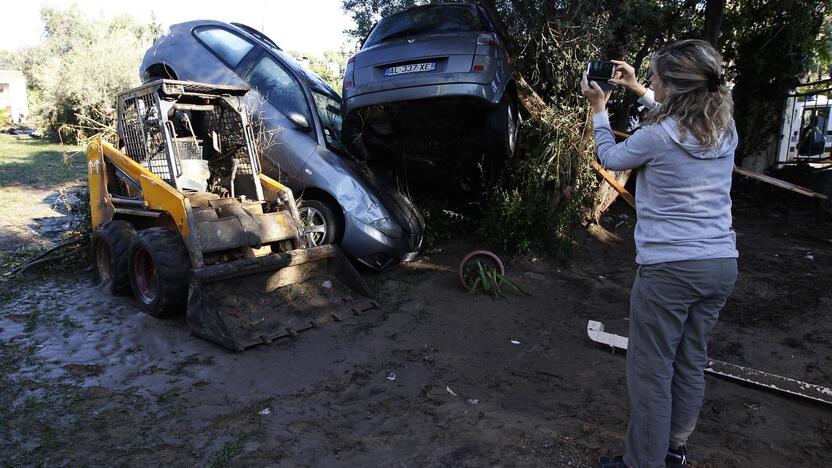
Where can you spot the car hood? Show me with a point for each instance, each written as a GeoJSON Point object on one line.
{"type": "Point", "coordinates": [406, 48]}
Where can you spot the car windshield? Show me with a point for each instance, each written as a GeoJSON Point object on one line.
{"type": "Point", "coordinates": [329, 110]}
{"type": "Point", "coordinates": [426, 19]}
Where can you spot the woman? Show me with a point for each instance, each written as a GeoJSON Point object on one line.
{"type": "Point", "coordinates": [685, 248]}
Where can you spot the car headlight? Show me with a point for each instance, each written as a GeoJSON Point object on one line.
{"type": "Point", "coordinates": [388, 227]}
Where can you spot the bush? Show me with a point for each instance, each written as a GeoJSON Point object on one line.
{"type": "Point", "coordinates": [547, 194]}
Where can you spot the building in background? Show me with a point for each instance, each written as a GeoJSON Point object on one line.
{"type": "Point", "coordinates": [13, 97]}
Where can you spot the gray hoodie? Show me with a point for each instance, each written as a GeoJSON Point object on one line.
{"type": "Point", "coordinates": [683, 189]}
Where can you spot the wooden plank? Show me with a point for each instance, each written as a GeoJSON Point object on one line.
{"type": "Point", "coordinates": [625, 194]}
{"type": "Point", "coordinates": [780, 183]}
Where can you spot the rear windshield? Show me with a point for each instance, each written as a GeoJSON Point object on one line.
{"type": "Point", "coordinates": [426, 19]}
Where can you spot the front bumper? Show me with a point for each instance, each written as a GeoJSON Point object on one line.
{"type": "Point", "coordinates": [373, 248]}
{"type": "Point", "coordinates": [484, 92]}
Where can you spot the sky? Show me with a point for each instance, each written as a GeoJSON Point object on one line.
{"type": "Point", "coordinates": [309, 26]}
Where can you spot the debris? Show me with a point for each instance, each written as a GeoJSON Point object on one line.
{"type": "Point", "coordinates": [809, 257]}
{"type": "Point", "coordinates": [473, 401]}
{"type": "Point", "coordinates": [753, 406]}
{"type": "Point", "coordinates": [327, 284]}
{"type": "Point", "coordinates": [448, 389]}
{"type": "Point", "coordinates": [596, 333]}
{"type": "Point", "coordinates": [265, 412]}
{"type": "Point", "coordinates": [45, 257]}
{"type": "Point", "coordinates": [391, 376]}
{"type": "Point", "coordinates": [515, 342]}
{"type": "Point", "coordinates": [780, 183]}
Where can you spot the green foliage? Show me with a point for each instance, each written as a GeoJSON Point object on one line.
{"type": "Point", "coordinates": [366, 13]}
{"type": "Point", "coordinates": [330, 67]}
{"type": "Point", "coordinates": [489, 280]}
{"type": "Point", "coordinates": [769, 45]}
{"type": "Point", "coordinates": [5, 116]}
{"type": "Point", "coordinates": [545, 196]}
{"type": "Point", "coordinates": [79, 67]}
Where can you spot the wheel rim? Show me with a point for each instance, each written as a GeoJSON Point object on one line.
{"type": "Point", "coordinates": [144, 272]}
{"type": "Point", "coordinates": [103, 261]}
{"type": "Point", "coordinates": [512, 136]}
{"type": "Point", "coordinates": [314, 220]}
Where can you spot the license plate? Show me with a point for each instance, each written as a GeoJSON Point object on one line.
{"type": "Point", "coordinates": [409, 256]}
{"type": "Point", "coordinates": [411, 68]}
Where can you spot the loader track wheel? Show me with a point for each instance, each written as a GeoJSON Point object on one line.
{"type": "Point", "coordinates": [110, 245]}
{"type": "Point", "coordinates": [159, 268]}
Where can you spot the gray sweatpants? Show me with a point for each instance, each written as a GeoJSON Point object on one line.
{"type": "Point", "coordinates": [673, 308]}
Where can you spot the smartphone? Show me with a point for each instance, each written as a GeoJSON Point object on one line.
{"type": "Point", "coordinates": [600, 71]}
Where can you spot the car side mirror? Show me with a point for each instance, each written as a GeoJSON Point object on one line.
{"type": "Point", "coordinates": [299, 120]}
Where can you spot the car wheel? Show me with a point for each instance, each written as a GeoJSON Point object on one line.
{"type": "Point", "coordinates": [503, 127]}
{"type": "Point", "coordinates": [319, 218]}
{"type": "Point", "coordinates": [110, 244]}
{"type": "Point", "coordinates": [159, 268]}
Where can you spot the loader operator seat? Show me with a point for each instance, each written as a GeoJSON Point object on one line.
{"type": "Point", "coordinates": [195, 171]}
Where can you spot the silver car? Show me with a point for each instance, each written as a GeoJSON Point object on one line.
{"type": "Point", "coordinates": [431, 72]}
{"type": "Point", "coordinates": [342, 199]}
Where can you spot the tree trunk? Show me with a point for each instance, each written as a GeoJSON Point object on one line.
{"type": "Point", "coordinates": [713, 21]}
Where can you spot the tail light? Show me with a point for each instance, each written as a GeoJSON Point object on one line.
{"type": "Point", "coordinates": [348, 73]}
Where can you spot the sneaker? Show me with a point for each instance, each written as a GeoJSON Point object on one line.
{"type": "Point", "coordinates": [612, 462]}
{"type": "Point", "coordinates": [677, 458]}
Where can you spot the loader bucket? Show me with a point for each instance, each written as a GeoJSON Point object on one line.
{"type": "Point", "coordinates": [247, 302]}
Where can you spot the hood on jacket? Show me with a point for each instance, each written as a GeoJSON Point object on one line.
{"type": "Point", "coordinates": [726, 146]}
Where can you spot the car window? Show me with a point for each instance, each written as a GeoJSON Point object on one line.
{"type": "Point", "coordinates": [230, 47]}
{"type": "Point", "coordinates": [426, 19]}
{"type": "Point", "coordinates": [329, 112]}
{"type": "Point", "coordinates": [278, 87]}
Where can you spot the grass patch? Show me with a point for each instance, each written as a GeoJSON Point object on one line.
{"type": "Point", "coordinates": [37, 163]}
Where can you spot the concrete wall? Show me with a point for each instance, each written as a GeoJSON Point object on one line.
{"type": "Point", "coordinates": [13, 95]}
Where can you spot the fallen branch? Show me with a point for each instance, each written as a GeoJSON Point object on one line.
{"type": "Point", "coordinates": [41, 259]}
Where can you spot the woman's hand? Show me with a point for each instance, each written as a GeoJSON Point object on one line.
{"type": "Point", "coordinates": [594, 94]}
{"type": "Point", "coordinates": [627, 78]}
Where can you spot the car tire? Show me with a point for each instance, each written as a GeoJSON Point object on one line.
{"type": "Point", "coordinates": [110, 245]}
{"type": "Point", "coordinates": [503, 128]}
{"type": "Point", "coordinates": [320, 216]}
{"type": "Point", "coordinates": [159, 267]}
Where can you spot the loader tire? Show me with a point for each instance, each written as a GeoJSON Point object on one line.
{"type": "Point", "coordinates": [110, 245]}
{"type": "Point", "coordinates": [160, 271]}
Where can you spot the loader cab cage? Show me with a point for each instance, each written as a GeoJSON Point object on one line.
{"type": "Point", "coordinates": [193, 137]}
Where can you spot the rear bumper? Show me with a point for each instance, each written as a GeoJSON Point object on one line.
{"type": "Point", "coordinates": [484, 92]}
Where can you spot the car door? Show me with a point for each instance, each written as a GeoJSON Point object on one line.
{"type": "Point", "coordinates": [276, 93]}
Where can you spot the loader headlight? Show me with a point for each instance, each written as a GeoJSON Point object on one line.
{"type": "Point", "coordinates": [388, 227]}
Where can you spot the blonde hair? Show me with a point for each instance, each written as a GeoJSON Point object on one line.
{"type": "Point", "coordinates": [697, 96]}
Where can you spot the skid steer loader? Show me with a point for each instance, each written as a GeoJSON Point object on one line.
{"type": "Point", "coordinates": [184, 220]}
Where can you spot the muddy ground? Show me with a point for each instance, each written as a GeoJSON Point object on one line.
{"type": "Point", "coordinates": [433, 378]}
